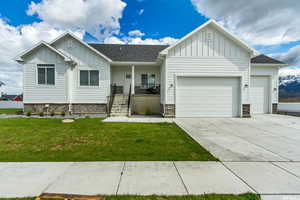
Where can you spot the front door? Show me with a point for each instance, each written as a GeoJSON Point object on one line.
{"type": "Point", "coordinates": [127, 83]}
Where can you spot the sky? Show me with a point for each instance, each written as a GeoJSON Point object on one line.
{"type": "Point", "coordinates": [270, 26]}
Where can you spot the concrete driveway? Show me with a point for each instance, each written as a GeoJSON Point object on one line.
{"type": "Point", "coordinates": [260, 138]}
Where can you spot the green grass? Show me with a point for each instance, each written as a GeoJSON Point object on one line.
{"type": "Point", "coordinates": [247, 196]}
{"type": "Point", "coordinates": [10, 111]}
{"type": "Point", "coordinates": [30, 140]}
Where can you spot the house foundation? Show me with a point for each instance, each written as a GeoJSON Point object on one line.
{"type": "Point", "coordinates": [65, 108]}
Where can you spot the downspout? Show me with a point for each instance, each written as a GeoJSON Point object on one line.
{"type": "Point", "coordinates": [70, 88]}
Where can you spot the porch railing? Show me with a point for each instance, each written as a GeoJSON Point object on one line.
{"type": "Point", "coordinates": [112, 98]}
{"type": "Point", "coordinates": [129, 101]}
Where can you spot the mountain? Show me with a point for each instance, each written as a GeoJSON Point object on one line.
{"type": "Point", "coordinates": [289, 86]}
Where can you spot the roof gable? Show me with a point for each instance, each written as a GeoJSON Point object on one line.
{"type": "Point", "coordinates": [20, 58]}
{"type": "Point", "coordinates": [218, 27]}
{"type": "Point", "coordinates": [82, 42]}
{"type": "Point", "coordinates": [263, 59]}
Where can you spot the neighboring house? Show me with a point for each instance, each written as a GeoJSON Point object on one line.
{"type": "Point", "coordinates": [208, 73]}
{"type": "Point", "coordinates": [6, 97]}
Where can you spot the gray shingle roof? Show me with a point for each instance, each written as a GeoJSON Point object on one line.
{"type": "Point", "coordinates": [130, 53]}
{"type": "Point", "coordinates": [149, 53]}
{"type": "Point", "coordinates": [263, 59]}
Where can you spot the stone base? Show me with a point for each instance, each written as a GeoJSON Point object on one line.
{"type": "Point", "coordinates": [169, 110]}
{"type": "Point", "coordinates": [59, 108]}
{"type": "Point", "coordinates": [38, 108]}
{"type": "Point", "coordinates": [274, 108]}
{"type": "Point", "coordinates": [246, 110]}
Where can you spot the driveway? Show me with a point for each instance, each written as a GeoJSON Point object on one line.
{"type": "Point", "coordinates": [260, 138]}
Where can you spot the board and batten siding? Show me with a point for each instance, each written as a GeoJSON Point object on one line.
{"type": "Point", "coordinates": [272, 73]}
{"type": "Point", "coordinates": [86, 59]}
{"type": "Point", "coordinates": [208, 53]}
{"type": "Point", "coordinates": [34, 93]}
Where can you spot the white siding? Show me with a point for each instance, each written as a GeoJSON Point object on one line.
{"type": "Point", "coordinates": [215, 57]}
{"type": "Point", "coordinates": [272, 72]}
{"type": "Point", "coordinates": [87, 60]}
{"type": "Point", "coordinates": [34, 93]}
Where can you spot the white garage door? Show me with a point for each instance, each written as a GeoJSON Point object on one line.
{"type": "Point", "coordinates": [207, 97]}
{"type": "Point", "coordinates": [260, 94]}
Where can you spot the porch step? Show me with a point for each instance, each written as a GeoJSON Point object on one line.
{"type": "Point", "coordinates": [120, 105]}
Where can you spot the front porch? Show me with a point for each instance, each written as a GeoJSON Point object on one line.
{"type": "Point", "coordinates": [136, 79]}
{"type": "Point", "coordinates": [135, 90]}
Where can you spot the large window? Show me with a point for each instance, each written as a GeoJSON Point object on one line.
{"type": "Point", "coordinates": [89, 78]}
{"type": "Point", "coordinates": [148, 80]}
{"type": "Point", "coordinates": [46, 74]}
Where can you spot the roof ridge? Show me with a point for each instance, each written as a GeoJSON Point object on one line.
{"type": "Point", "coordinates": [91, 43]}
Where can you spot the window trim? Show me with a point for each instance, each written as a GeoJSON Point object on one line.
{"type": "Point", "coordinates": [89, 78]}
{"type": "Point", "coordinates": [45, 66]}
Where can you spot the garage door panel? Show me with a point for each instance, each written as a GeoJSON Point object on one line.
{"type": "Point", "coordinates": [207, 97]}
{"type": "Point", "coordinates": [259, 94]}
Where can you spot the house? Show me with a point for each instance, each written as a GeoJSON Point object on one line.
{"type": "Point", "coordinates": [207, 73]}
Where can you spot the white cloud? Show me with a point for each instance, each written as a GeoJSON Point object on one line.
{"type": "Point", "coordinates": [165, 41]}
{"type": "Point", "coordinates": [259, 22]}
{"type": "Point", "coordinates": [14, 40]}
{"type": "Point", "coordinates": [136, 33]}
{"type": "Point", "coordinates": [289, 71]}
{"type": "Point", "coordinates": [113, 40]}
{"type": "Point", "coordinates": [291, 57]}
{"type": "Point", "coordinates": [98, 17]}
{"type": "Point", "coordinates": [141, 11]}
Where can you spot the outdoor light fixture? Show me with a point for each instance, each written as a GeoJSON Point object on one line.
{"type": "Point", "coordinates": [246, 86]}
{"type": "Point", "coordinates": [275, 89]}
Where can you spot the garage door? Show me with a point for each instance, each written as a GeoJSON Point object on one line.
{"type": "Point", "coordinates": [260, 94]}
{"type": "Point", "coordinates": [207, 97]}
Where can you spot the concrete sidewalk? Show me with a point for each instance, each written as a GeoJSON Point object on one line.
{"type": "Point", "coordinates": [273, 180]}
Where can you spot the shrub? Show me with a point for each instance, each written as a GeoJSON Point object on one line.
{"type": "Point", "coordinates": [28, 113]}
{"type": "Point", "coordinates": [63, 113]}
{"type": "Point", "coordinates": [41, 114]}
{"type": "Point", "coordinates": [52, 113]}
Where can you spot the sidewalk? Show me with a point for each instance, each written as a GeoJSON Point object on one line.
{"type": "Point", "coordinates": [146, 178]}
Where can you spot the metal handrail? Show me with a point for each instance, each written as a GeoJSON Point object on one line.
{"type": "Point", "coordinates": [112, 97]}
{"type": "Point", "coordinates": [129, 101]}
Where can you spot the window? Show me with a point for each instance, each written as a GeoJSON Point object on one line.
{"type": "Point", "coordinates": [148, 80]}
{"type": "Point", "coordinates": [89, 78]}
{"type": "Point", "coordinates": [46, 74]}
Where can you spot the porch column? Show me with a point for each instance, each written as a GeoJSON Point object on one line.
{"type": "Point", "coordinates": [132, 80]}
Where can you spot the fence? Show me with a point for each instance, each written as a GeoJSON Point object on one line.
{"type": "Point", "coordinates": [11, 104]}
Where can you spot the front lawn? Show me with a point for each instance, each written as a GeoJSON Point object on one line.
{"type": "Point", "coordinates": [198, 197]}
{"type": "Point", "coordinates": [28, 139]}
{"type": "Point", "coordinates": [10, 111]}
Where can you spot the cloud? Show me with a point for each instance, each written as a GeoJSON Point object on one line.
{"type": "Point", "coordinates": [141, 11]}
{"type": "Point", "coordinates": [98, 17]}
{"type": "Point", "coordinates": [291, 57]}
{"type": "Point", "coordinates": [289, 71]}
{"type": "Point", "coordinates": [113, 40]}
{"type": "Point", "coordinates": [259, 22]}
{"type": "Point", "coordinates": [136, 33]}
{"type": "Point", "coordinates": [14, 40]}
